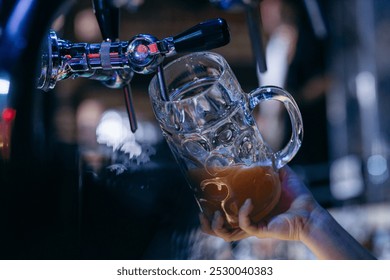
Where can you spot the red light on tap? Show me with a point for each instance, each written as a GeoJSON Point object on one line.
{"type": "Point", "coordinates": [8, 114]}
{"type": "Point", "coordinates": [153, 48]}
{"type": "Point", "coordinates": [142, 49]}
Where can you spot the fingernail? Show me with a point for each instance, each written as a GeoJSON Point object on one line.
{"type": "Point", "coordinates": [247, 203]}
{"type": "Point", "coordinates": [216, 223]}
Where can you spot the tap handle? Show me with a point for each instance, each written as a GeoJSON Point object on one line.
{"type": "Point", "coordinates": [206, 35]}
{"type": "Point", "coordinates": [107, 16]}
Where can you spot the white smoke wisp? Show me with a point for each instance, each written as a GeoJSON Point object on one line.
{"type": "Point", "coordinates": [114, 131]}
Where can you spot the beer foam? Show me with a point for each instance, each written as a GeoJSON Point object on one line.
{"type": "Point", "coordinates": [114, 131]}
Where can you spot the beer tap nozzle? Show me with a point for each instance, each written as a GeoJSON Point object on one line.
{"type": "Point", "coordinates": [107, 16]}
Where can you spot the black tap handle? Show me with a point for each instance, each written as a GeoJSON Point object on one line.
{"type": "Point", "coordinates": [206, 35]}
{"type": "Point", "coordinates": [107, 16]}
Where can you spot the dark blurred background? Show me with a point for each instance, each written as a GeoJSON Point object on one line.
{"type": "Point", "coordinates": [84, 187]}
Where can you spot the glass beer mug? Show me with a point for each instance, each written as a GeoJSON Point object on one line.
{"type": "Point", "coordinates": [209, 127]}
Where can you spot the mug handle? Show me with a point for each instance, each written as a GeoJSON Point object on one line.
{"type": "Point", "coordinates": [258, 95]}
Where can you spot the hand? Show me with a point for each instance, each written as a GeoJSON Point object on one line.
{"type": "Point", "coordinates": [298, 216]}
{"type": "Point", "coordinates": [287, 221]}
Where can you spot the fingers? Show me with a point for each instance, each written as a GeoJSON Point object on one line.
{"type": "Point", "coordinates": [217, 227]}
{"type": "Point", "coordinates": [205, 224]}
{"type": "Point", "coordinates": [217, 223]}
{"type": "Point", "coordinates": [259, 229]}
{"type": "Point", "coordinates": [246, 227]}
{"type": "Point", "coordinates": [244, 220]}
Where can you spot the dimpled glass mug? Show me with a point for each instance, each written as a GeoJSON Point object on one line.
{"type": "Point", "coordinates": [209, 127]}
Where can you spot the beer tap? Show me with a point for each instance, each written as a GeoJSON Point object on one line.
{"type": "Point", "coordinates": [115, 62]}
{"type": "Point", "coordinates": [254, 22]}
{"type": "Point", "coordinates": [107, 16]}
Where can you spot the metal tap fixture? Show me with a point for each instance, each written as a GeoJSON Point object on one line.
{"type": "Point", "coordinates": [142, 54]}
{"type": "Point", "coordinates": [115, 62]}
{"type": "Point", "coordinates": [107, 15]}
{"type": "Point", "coordinates": [254, 22]}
